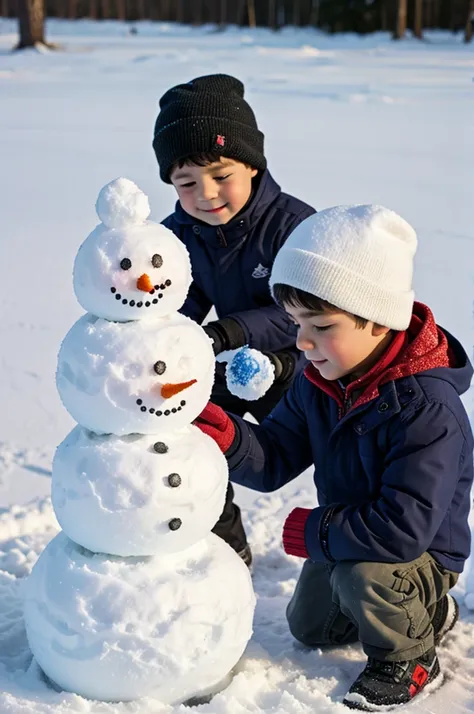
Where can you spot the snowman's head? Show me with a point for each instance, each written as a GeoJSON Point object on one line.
{"type": "Point", "coordinates": [129, 268]}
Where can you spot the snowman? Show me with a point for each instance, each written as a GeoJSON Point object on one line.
{"type": "Point", "coordinates": [136, 597]}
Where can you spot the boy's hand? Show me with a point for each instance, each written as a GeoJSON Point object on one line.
{"type": "Point", "coordinates": [214, 422]}
{"type": "Point", "coordinates": [226, 334]}
{"type": "Point", "coordinates": [284, 365]}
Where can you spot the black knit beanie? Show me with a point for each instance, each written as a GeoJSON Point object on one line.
{"type": "Point", "coordinates": [208, 114]}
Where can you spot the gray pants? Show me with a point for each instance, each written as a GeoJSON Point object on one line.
{"type": "Point", "coordinates": [387, 606]}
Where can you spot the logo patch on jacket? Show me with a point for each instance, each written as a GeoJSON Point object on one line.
{"type": "Point", "coordinates": [260, 271]}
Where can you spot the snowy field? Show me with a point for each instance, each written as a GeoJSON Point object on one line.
{"type": "Point", "coordinates": [346, 120]}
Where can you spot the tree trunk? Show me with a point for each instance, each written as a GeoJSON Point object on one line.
{"type": "Point", "coordinates": [179, 11]}
{"type": "Point", "coordinates": [4, 8]}
{"type": "Point", "coordinates": [383, 16]}
{"type": "Point", "coordinates": [223, 13]}
{"type": "Point", "coordinates": [296, 13]}
{"type": "Point", "coordinates": [271, 14]}
{"type": "Point", "coordinates": [314, 19]}
{"type": "Point", "coordinates": [31, 23]}
{"type": "Point", "coordinates": [72, 9]}
{"type": "Point", "coordinates": [469, 21]}
{"type": "Point", "coordinates": [251, 13]}
{"type": "Point", "coordinates": [121, 9]}
{"type": "Point", "coordinates": [105, 9]}
{"type": "Point", "coordinates": [197, 14]}
{"type": "Point", "coordinates": [401, 20]}
{"type": "Point", "coordinates": [418, 19]}
{"type": "Point", "coordinates": [428, 14]}
{"type": "Point", "coordinates": [141, 10]}
{"type": "Point", "coordinates": [93, 9]}
{"type": "Point", "coordinates": [452, 18]}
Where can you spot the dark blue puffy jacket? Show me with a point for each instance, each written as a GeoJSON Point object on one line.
{"type": "Point", "coordinates": [393, 475]}
{"type": "Point", "coordinates": [232, 263]}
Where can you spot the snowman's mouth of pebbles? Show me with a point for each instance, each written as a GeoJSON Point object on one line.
{"type": "Point", "coordinates": [157, 291]}
{"type": "Point", "coordinates": [160, 412]}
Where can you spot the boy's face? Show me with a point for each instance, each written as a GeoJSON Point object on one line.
{"type": "Point", "coordinates": [214, 193]}
{"type": "Point", "coordinates": [335, 345]}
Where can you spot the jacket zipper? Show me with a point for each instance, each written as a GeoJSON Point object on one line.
{"type": "Point", "coordinates": [222, 239]}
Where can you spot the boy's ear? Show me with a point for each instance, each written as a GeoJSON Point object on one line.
{"type": "Point", "coordinates": [378, 330]}
{"type": "Point", "coordinates": [254, 172]}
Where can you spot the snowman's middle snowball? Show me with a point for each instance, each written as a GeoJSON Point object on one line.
{"type": "Point", "coordinates": [123, 496]}
{"type": "Point", "coordinates": [107, 380]}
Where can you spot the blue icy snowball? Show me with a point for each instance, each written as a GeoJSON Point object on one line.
{"type": "Point", "coordinates": [243, 368]}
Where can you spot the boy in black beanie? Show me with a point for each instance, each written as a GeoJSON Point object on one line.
{"type": "Point", "coordinates": [233, 218]}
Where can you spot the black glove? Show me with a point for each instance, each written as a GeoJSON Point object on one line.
{"type": "Point", "coordinates": [284, 364]}
{"type": "Point", "coordinates": [226, 334]}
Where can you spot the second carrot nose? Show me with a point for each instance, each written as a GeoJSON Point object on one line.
{"type": "Point", "coordinates": [144, 283]}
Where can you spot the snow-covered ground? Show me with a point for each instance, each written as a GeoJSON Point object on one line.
{"type": "Point", "coordinates": [346, 119]}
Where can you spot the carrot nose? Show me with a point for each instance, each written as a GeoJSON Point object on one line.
{"type": "Point", "coordinates": [144, 283]}
{"type": "Point", "coordinates": [169, 390]}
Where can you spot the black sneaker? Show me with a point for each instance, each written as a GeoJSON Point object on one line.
{"type": "Point", "coordinates": [391, 684]}
{"type": "Point", "coordinates": [445, 617]}
{"type": "Point", "coordinates": [246, 555]}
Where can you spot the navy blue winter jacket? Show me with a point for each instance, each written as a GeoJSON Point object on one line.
{"type": "Point", "coordinates": [232, 263]}
{"type": "Point", "coordinates": [393, 475]}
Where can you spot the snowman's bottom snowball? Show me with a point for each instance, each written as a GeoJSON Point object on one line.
{"type": "Point", "coordinates": [116, 629]}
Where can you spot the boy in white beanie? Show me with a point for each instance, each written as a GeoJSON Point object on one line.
{"type": "Point", "coordinates": [379, 415]}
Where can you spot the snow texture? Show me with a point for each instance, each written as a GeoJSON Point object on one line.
{"type": "Point", "coordinates": [119, 495]}
{"type": "Point", "coordinates": [112, 376]}
{"type": "Point", "coordinates": [118, 629]}
{"type": "Point", "coordinates": [121, 204]}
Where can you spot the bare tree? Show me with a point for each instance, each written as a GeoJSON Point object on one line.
{"type": "Point", "coordinates": [197, 14]}
{"type": "Point", "coordinates": [121, 9]}
{"type": "Point", "coordinates": [31, 24]}
{"type": "Point", "coordinates": [4, 8]}
{"type": "Point", "coordinates": [469, 20]}
{"type": "Point", "coordinates": [418, 19]}
{"type": "Point", "coordinates": [314, 18]}
{"type": "Point", "coordinates": [383, 15]}
{"type": "Point", "coordinates": [223, 13]}
{"type": "Point", "coordinates": [296, 13]}
{"type": "Point", "coordinates": [251, 13]}
{"type": "Point", "coordinates": [142, 12]}
{"type": "Point", "coordinates": [401, 26]}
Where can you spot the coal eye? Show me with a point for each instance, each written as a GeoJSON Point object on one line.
{"type": "Point", "coordinates": [157, 261]}
{"type": "Point", "coordinates": [125, 263]}
{"type": "Point", "coordinates": [159, 367]}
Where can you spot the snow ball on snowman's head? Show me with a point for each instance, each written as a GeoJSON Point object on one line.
{"type": "Point", "coordinates": [121, 204]}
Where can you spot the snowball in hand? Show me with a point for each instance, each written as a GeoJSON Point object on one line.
{"type": "Point", "coordinates": [138, 495]}
{"type": "Point", "coordinates": [135, 377]}
{"type": "Point", "coordinates": [249, 373]}
{"type": "Point", "coordinates": [115, 629]}
{"type": "Point", "coordinates": [129, 268]}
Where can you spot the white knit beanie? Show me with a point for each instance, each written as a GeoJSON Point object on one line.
{"type": "Point", "coordinates": [358, 258]}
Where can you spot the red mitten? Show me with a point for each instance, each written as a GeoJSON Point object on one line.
{"type": "Point", "coordinates": [293, 532]}
{"type": "Point", "coordinates": [214, 422]}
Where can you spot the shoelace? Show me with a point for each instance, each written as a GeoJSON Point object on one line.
{"type": "Point", "coordinates": [386, 671]}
